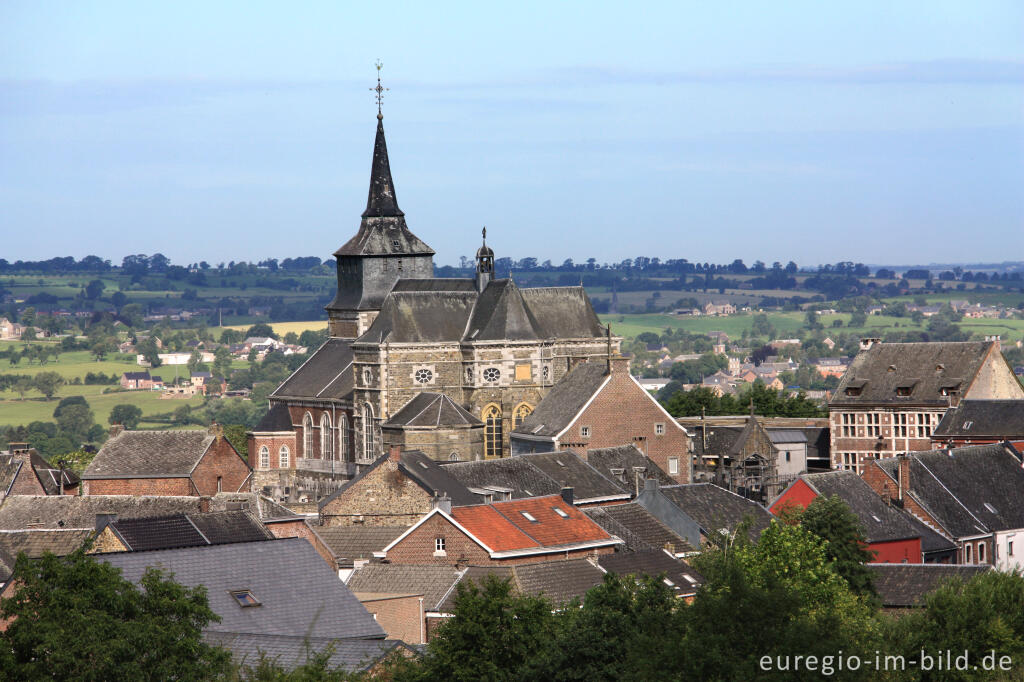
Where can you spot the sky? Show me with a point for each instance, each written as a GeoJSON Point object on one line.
{"type": "Point", "coordinates": [877, 132]}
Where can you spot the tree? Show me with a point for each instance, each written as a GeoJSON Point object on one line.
{"type": "Point", "coordinates": [261, 329]}
{"type": "Point", "coordinates": [28, 316]}
{"type": "Point", "coordinates": [149, 352]}
{"type": "Point", "coordinates": [23, 385]}
{"type": "Point", "coordinates": [127, 415]}
{"type": "Point", "coordinates": [760, 326]}
{"type": "Point", "coordinates": [28, 334]}
{"type": "Point", "coordinates": [194, 361]}
{"type": "Point", "coordinates": [100, 348]}
{"type": "Point", "coordinates": [47, 383]}
{"type": "Point", "coordinates": [858, 318]}
{"type": "Point", "coordinates": [94, 289]}
{"type": "Point", "coordinates": [830, 519]}
{"type": "Point", "coordinates": [77, 618]}
{"type": "Point", "coordinates": [222, 362]}
{"type": "Point", "coordinates": [75, 421]}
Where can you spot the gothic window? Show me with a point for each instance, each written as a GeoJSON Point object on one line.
{"type": "Point", "coordinates": [307, 436]}
{"type": "Point", "coordinates": [424, 376]}
{"type": "Point", "coordinates": [284, 456]}
{"type": "Point", "coordinates": [492, 430]}
{"type": "Point", "coordinates": [343, 438]}
{"type": "Point", "coordinates": [369, 446]}
{"type": "Point", "coordinates": [469, 375]}
{"type": "Point", "coordinates": [326, 437]}
{"type": "Point", "coordinates": [264, 457]}
{"type": "Point", "coordinates": [367, 376]}
{"type": "Point", "coordinates": [454, 457]}
{"type": "Point", "coordinates": [492, 374]}
{"type": "Point", "coordinates": [519, 414]}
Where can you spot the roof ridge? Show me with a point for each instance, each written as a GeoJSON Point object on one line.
{"type": "Point", "coordinates": [950, 492]}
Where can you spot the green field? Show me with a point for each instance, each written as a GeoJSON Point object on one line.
{"type": "Point", "coordinates": [14, 411]}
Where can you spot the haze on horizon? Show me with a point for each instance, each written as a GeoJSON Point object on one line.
{"type": "Point", "coordinates": [813, 132]}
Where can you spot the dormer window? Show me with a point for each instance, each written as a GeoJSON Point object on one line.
{"type": "Point", "coordinates": [396, 245]}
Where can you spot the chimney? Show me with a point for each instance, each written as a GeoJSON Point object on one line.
{"type": "Point", "coordinates": [104, 519]}
{"type": "Point", "coordinates": [618, 364]}
{"type": "Point", "coordinates": [443, 502]}
{"type": "Point", "coordinates": [996, 339]}
{"type": "Point", "coordinates": [204, 504]}
{"type": "Point", "coordinates": [116, 429]}
{"type": "Point", "coordinates": [902, 475]}
{"type": "Point", "coordinates": [567, 494]}
{"type": "Point", "coordinates": [395, 453]}
{"type": "Point", "coordinates": [868, 342]}
{"type": "Point", "coordinates": [650, 484]}
{"type": "Point", "coordinates": [216, 430]}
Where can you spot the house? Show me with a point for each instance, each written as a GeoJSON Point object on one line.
{"type": "Point", "coordinates": [970, 494]}
{"type": "Point", "coordinates": [719, 308]}
{"type": "Point", "coordinates": [199, 380]}
{"type": "Point", "coordinates": [905, 586]}
{"type": "Point", "coordinates": [676, 575]}
{"type": "Point", "coordinates": [147, 533]}
{"type": "Point", "coordinates": [704, 511]}
{"type": "Point", "coordinates": [893, 395]}
{"type": "Point", "coordinates": [981, 421]}
{"type": "Point", "coordinates": [279, 592]}
{"type": "Point", "coordinates": [640, 530]}
{"type": "Point", "coordinates": [10, 331]}
{"type": "Point", "coordinates": [517, 531]}
{"type": "Point", "coordinates": [830, 367]}
{"type": "Point", "coordinates": [136, 381]}
{"type": "Point", "coordinates": [894, 535]}
{"type": "Point", "coordinates": [397, 490]}
{"type": "Point", "coordinates": [600, 404]}
{"type": "Point", "coordinates": [23, 471]}
{"type": "Point", "coordinates": [354, 546]}
{"type": "Point", "coordinates": [653, 385]}
{"type": "Point", "coordinates": [429, 585]}
{"type": "Point", "coordinates": [193, 462]}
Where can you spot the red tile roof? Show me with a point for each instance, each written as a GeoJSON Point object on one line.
{"type": "Point", "coordinates": [502, 525]}
{"type": "Point", "coordinates": [491, 528]}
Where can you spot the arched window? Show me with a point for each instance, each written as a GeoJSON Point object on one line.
{"type": "Point", "coordinates": [326, 437]}
{"type": "Point", "coordinates": [264, 457]}
{"type": "Point", "coordinates": [307, 436]}
{"type": "Point", "coordinates": [284, 457]}
{"type": "Point", "coordinates": [369, 446]}
{"type": "Point", "coordinates": [343, 438]}
{"type": "Point", "coordinates": [491, 416]}
{"type": "Point", "coordinates": [454, 457]}
{"type": "Point", "coordinates": [519, 414]}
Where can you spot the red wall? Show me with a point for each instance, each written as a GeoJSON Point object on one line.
{"type": "Point", "coordinates": [897, 551]}
{"type": "Point", "coordinates": [799, 494]}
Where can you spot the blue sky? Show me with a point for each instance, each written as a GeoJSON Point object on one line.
{"type": "Point", "coordinates": [877, 132]}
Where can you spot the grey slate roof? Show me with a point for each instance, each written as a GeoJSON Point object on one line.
{"type": "Point", "coordinates": [720, 439]}
{"type": "Point", "coordinates": [357, 542]}
{"type": "Point", "coordinates": [714, 508]}
{"type": "Point", "coordinates": [433, 582]}
{"type": "Point", "coordinates": [290, 652]}
{"type": "Point", "coordinates": [326, 375]}
{"type": "Point", "coordinates": [566, 468]}
{"type": "Point", "coordinates": [563, 312]}
{"type": "Point", "coordinates": [9, 469]}
{"type": "Point", "coordinates": [299, 593]}
{"type": "Point", "coordinates": [150, 453]}
{"type": "Point", "coordinates": [515, 474]}
{"type": "Point", "coordinates": [685, 580]}
{"type": "Point", "coordinates": [972, 490]}
{"type": "Point", "coordinates": [190, 530]}
{"type": "Point", "coordinates": [786, 436]}
{"type": "Point", "coordinates": [926, 368]}
{"type": "Point", "coordinates": [68, 511]}
{"type": "Point", "coordinates": [638, 528]}
{"type": "Point", "coordinates": [565, 400]}
{"type": "Point", "coordinates": [432, 410]}
{"type": "Point", "coordinates": [905, 585]}
{"type": "Point", "coordinates": [34, 543]}
{"type": "Point", "coordinates": [559, 581]}
{"type": "Point", "coordinates": [1002, 419]}
{"type": "Point", "coordinates": [276, 418]}
{"type": "Point", "coordinates": [424, 471]}
{"type": "Point", "coordinates": [627, 458]}
{"type": "Point", "coordinates": [421, 316]}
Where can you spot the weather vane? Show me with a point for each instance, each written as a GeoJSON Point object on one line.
{"type": "Point", "coordinates": [380, 90]}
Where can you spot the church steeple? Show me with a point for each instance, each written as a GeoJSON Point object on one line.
{"type": "Point", "coordinates": [484, 264]}
{"type": "Point", "coordinates": [381, 201]}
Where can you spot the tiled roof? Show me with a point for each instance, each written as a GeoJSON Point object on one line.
{"type": "Point", "coordinates": [514, 474]}
{"type": "Point", "coordinates": [558, 581]}
{"type": "Point", "coordinates": [433, 477]}
{"type": "Point", "coordinates": [719, 439]}
{"type": "Point", "coordinates": [684, 579]}
{"type": "Point", "coordinates": [433, 582]}
{"type": "Point", "coordinates": [9, 469]}
{"type": "Point", "coordinates": [357, 542]}
{"type": "Point", "coordinates": [290, 652]}
{"type": "Point", "coordinates": [566, 468]}
{"type": "Point", "coordinates": [299, 594]}
{"type": "Point", "coordinates": [150, 453]}
{"type": "Point", "coordinates": [277, 418]}
{"type": "Point", "coordinates": [1002, 419]}
{"type": "Point", "coordinates": [432, 410]}
{"type": "Point", "coordinates": [619, 464]}
{"type": "Point", "coordinates": [715, 508]}
{"type": "Point", "coordinates": [68, 511]}
{"type": "Point", "coordinates": [904, 585]}
{"type": "Point", "coordinates": [638, 528]}
{"type": "Point", "coordinates": [565, 400]}
{"type": "Point", "coordinates": [190, 530]}
{"type": "Point", "coordinates": [925, 369]}
{"type": "Point", "coordinates": [326, 375]}
{"type": "Point", "coordinates": [34, 543]}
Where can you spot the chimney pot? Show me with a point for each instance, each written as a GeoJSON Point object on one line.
{"type": "Point", "coordinates": [444, 503]}
{"type": "Point", "coordinates": [567, 495]}
{"type": "Point", "coordinates": [116, 429]}
{"type": "Point", "coordinates": [395, 453]}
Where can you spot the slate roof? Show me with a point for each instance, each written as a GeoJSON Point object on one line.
{"type": "Point", "coordinates": [71, 511]}
{"type": "Point", "coordinates": [627, 458]}
{"type": "Point", "coordinates": [298, 592]}
{"type": "Point", "coordinates": [566, 468]}
{"type": "Point", "coordinates": [905, 585]}
{"type": "Point", "coordinates": [190, 530]}
{"type": "Point", "coordinates": [290, 652]}
{"type": "Point", "coordinates": [265, 509]}
{"type": "Point", "coordinates": [786, 436]}
{"type": "Point", "coordinates": [34, 543]}
{"type": "Point", "coordinates": [432, 410]}
{"type": "Point", "coordinates": [49, 475]}
{"type": "Point", "coordinates": [720, 439]}
{"type": "Point", "coordinates": [685, 581]}
{"type": "Point", "coordinates": [973, 490]}
{"type": "Point", "coordinates": [357, 542]}
{"type": "Point", "coordinates": [1002, 419]}
{"type": "Point", "coordinates": [433, 582]}
{"type": "Point", "coordinates": [150, 453]}
{"type": "Point", "coordinates": [326, 375]}
{"type": "Point", "coordinates": [277, 418]}
{"type": "Point", "coordinates": [421, 316]}
{"type": "Point", "coordinates": [9, 468]}
{"type": "Point", "coordinates": [563, 312]}
{"type": "Point", "coordinates": [514, 474]}
{"type": "Point", "coordinates": [714, 508]}
{"type": "Point", "coordinates": [565, 400]}
{"type": "Point", "coordinates": [424, 471]}
{"type": "Point", "coordinates": [558, 581]}
{"type": "Point", "coordinates": [638, 528]}
{"type": "Point", "coordinates": [137, 376]}
{"type": "Point", "coordinates": [926, 368]}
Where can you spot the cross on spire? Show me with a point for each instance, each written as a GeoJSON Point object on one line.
{"type": "Point", "coordinates": [380, 90]}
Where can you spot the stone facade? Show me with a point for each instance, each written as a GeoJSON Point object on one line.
{"type": "Point", "coordinates": [384, 496]}
{"type": "Point", "coordinates": [451, 444]}
{"type": "Point", "coordinates": [401, 615]}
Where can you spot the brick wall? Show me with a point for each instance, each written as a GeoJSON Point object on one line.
{"type": "Point", "coordinates": [384, 497]}
{"type": "Point", "coordinates": [298, 528]}
{"type": "Point", "coordinates": [138, 486]}
{"type": "Point", "coordinates": [221, 463]}
{"type": "Point", "coordinates": [273, 442]}
{"type": "Point", "coordinates": [26, 483]}
{"type": "Point", "coordinates": [401, 616]}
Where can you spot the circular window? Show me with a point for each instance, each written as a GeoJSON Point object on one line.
{"type": "Point", "coordinates": [424, 376]}
{"type": "Point", "coordinates": [492, 374]}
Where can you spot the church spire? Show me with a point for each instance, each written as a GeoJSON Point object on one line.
{"type": "Point", "coordinates": [381, 201]}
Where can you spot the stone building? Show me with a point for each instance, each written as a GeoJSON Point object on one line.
{"type": "Point", "coordinates": [894, 395]}
{"type": "Point", "coordinates": [493, 349]}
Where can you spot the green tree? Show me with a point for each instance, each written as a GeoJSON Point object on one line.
{"type": "Point", "coordinates": [195, 360]}
{"type": "Point", "coordinates": [94, 289]}
{"type": "Point", "coordinates": [23, 385]}
{"type": "Point", "coordinates": [77, 618]}
{"type": "Point", "coordinates": [28, 316]}
{"type": "Point", "coordinates": [237, 436]}
{"type": "Point", "coordinates": [830, 519]}
{"type": "Point", "coordinates": [125, 414]}
{"type": "Point", "coordinates": [75, 421]}
{"type": "Point", "coordinates": [47, 383]}
{"type": "Point", "coordinates": [222, 362]}
{"type": "Point", "coordinates": [101, 348]}
{"type": "Point", "coordinates": [149, 351]}
{"type": "Point", "coordinates": [29, 334]}
{"type": "Point", "coordinates": [261, 329]}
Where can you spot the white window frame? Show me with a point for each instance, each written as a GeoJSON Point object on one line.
{"type": "Point", "coordinates": [284, 457]}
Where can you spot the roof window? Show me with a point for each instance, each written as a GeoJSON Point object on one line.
{"type": "Point", "coordinates": [689, 579]}
{"type": "Point", "coordinates": [668, 582]}
{"type": "Point", "coordinates": [529, 517]}
{"type": "Point", "coordinates": [559, 512]}
{"type": "Point", "coordinates": [245, 598]}
{"type": "Point", "coordinates": [876, 518]}
{"type": "Point", "coordinates": [990, 508]}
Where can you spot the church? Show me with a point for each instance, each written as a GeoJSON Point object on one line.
{"type": "Point", "coordinates": [446, 366]}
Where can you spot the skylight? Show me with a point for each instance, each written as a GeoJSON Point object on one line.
{"type": "Point", "coordinates": [559, 512]}
{"type": "Point", "coordinates": [968, 425]}
{"type": "Point", "coordinates": [668, 582]}
{"type": "Point", "coordinates": [990, 508]}
{"type": "Point", "coordinates": [876, 518]}
{"type": "Point", "coordinates": [424, 465]}
{"type": "Point", "coordinates": [528, 516]}
{"type": "Point", "coordinates": [692, 581]}
{"type": "Point", "coordinates": [245, 598]}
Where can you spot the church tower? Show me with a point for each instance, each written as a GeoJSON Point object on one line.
{"type": "Point", "coordinates": [382, 252]}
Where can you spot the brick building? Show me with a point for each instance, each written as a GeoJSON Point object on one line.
{"type": "Point", "coordinates": [599, 405]}
{"type": "Point", "coordinates": [894, 395]}
{"type": "Point", "coordinates": [396, 332]}
{"type": "Point", "coordinates": [23, 471]}
{"type": "Point", "coordinates": [974, 422]}
{"type": "Point", "coordinates": [136, 381]}
{"type": "Point", "coordinates": [194, 462]}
